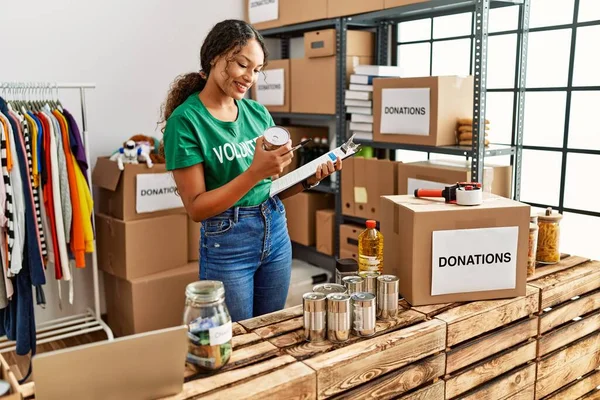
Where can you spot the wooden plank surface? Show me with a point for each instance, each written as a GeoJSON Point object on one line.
{"type": "Point", "coordinates": [344, 369]}
{"type": "Point", "coordinates": [244, 340]}
{"type": "Point", "coordinates": [207, 384]}
{"type": "Point", "coordinates": [561, 286]}
{"type": "Point", "coordinates": [250, 354]}
{"type": "Point", "coordinates": [478, 349]}
{"type": "Point", "coordinates": [542, 270]}
{"type": "Point", "coordinates": [272, 318]}
{"type": "Point", "coordinates": [237, 329]}
{"type": "Point", "coordinates": [431, 392]}
{"type": "Point", "coordinates": [566, 312]}
{"type": "Point", "coordinates": [434, 309]}
{"type": "Point", "coordinates": [504, 386]}
{"type": "Point", "coordinates": [280, 328]}
{"type": "Point", "coordinates": [526, 394]}
{"type": "Point", "coordinates": [295, 381]}
{"type": "Point", "coordinates": [561, 359]}
{"type": "Point", "coordinates": [304, 350]}
{"type": "Point", "coordinates": [473, 319]}
{"type": "Point", "coordinates": [568, 333]}
{"type": "Point", "coordinates": [399, 382]}
{"type": "Point", "coordinates": [578, 388]}
{"type": "Point", "coordinates": [595, 395]}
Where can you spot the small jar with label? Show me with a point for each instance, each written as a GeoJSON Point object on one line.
{"type": "Point", "coordinates": [533, 238]}
{"type": "Point", "coordinates": [548, 245]}
{"type": "Point", "coordinates": [209, 326]}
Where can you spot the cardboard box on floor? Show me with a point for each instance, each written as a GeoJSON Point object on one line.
{"type": "Point", "coordinates": [301, 213]}
{"type": "Point", "coordinates": [193, 234]}
{"type": "Point", "coordinates": [288, 12]}
{"type": "Point", "coordinates": [437, 174]}
{"type": "Point", "coordinates": [137, 192]}
{"type": "Point", "coordinates": [373, 178]}
{"type": "Point", "coordinates": [339, 8]}
{"type": "Point", "coordinates": [135, 249]}
{"type": "Point", "coordinates": [420, 111]}
{"type": "Point", "coordinates": [445, 253]}
{"type": "Point", "coordinates": [349, 240]}
{"type": "Point", "coordinates": [149, 303]}
{"type": "Point", "coordinates": [273, 87]}
{"type": "Point", "coordinates": [325, 227]}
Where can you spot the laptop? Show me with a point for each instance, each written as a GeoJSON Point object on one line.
{"type": "Point", "coordinates": [142, 366]}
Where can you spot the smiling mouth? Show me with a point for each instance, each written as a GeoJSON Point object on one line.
{"type": "Point", "coordinates": [239, 85]}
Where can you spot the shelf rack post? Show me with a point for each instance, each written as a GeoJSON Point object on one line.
{"type": "Point", "coordinates": [341, 30]}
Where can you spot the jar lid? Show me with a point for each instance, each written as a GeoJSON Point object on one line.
{"type": "Point", "coordinates": [548, 215]}
{"type": "Point", "coordinates": [205, 291]}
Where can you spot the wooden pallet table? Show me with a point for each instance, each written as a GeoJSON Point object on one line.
{"type": "Point", "coordinates": [569, 329]}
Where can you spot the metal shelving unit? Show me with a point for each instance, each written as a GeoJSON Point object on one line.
{"type": "Point", "coordinates": [383, 22]}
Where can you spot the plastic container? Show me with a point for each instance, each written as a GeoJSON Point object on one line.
{"type": "Point", "coordinates": [531, 256]}
{"type": "Point", "coordinates": [370, 249]}
{"type": "Point", "coordinates": [548, 245]}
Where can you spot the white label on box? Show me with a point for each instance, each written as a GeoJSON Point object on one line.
{"type": "Point", "coordinates": [220, 334]}
{"type": "Point", "coordinates": [270, 87]}
{"type": "Point", "coordinates": [405, 111]}
{"type": "Point", "coordinates": [156, 192]}
{"type": "Point", "coordinates": [473, 260]}
{"type": "Point", "coordinates": [413, 184]}
{"type": "Point", "coordinates": [263, 10]}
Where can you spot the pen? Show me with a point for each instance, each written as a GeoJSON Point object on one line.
{"type": "Point", "coordinates": [301, 144]}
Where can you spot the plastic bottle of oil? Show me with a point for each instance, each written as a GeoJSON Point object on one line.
{"type": "Point", "coordinates": [370, 249]}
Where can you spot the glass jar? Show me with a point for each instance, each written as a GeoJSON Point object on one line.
{"type": "Point", "coordinates": [531, 256]}
{"type": "Point", "coordinates": [548, 246]}
{"type": "Point", "coordinates": [209, 325]}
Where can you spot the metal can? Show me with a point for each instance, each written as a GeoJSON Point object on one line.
{"type": "Point", "coordinates": [328, 288]}
{"type": "Point", "coordinates": [345, 267]}
{"type": "Point", "coordinates": [354, 283]}
{"type": "Point", "coordinates": [363, 314]}
{"type": "Point", "coordinates": [315, 314]}
{"type": "Point", "coordinates": [387, 297]}
{"type": "Point", "coordinates": [339, 318]}
{"type": "Point", "coordinates": [275, 137]}
{"type": "Point", "coordinates": [370, 284]}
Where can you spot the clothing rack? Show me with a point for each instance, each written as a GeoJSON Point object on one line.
{"type": "Point", "coordinates": [90, 321]}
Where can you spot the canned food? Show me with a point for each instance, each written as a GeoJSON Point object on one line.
{"type": "Point", "coordinates": [387, 297]}
{"type": "Point", "coordinates": [354, 283]}
{"type": "Point", "coordinates": [370, 281]}
{"type": "Point", "coordinates": [363, 314]}
{"type": "Point", "coordinates": [339, 318]}
{"type": "Point", "coordinates": [328, 288]}
{"type": "Point", "coordinates": [315, 312]}
{"type": "Point", "coordinates": [275, 137]}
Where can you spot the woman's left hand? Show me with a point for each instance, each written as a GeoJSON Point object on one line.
{"type": "Point", "coordinates": [324, 170]}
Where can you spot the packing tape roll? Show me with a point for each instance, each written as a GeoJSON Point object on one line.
{"type": "Point", "coordinates": [469, 197]}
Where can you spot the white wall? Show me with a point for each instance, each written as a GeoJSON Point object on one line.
{"type": "Point", "coordinates": [132, 50]}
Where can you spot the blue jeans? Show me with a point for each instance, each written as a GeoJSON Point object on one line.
{"type": "Point", "coordinates": [249, 250]}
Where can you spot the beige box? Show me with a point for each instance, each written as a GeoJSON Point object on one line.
{"type": "Point", "coordinates": [497, 179]}
{"type": "Point", "coordinates": [324, 44]}
{"type": "Point", "coordinates": [400, 3]}
{"type": "Point", "coordinates": [134, 249]}
{"type": "Point", "coordinates": [347, 187]}
{"type": "Point", "coordinates": [450, 98]}
{"type": "Point", "coordinates": [444, 253]}
{"type": "Point", "coordinates": [193, 234]}
{"type": "Point", "coordinates": [117, 194]}
{"type": "Point", "coordinates": [338, 8]}
{"type": "Point", "coordinates": [292, 12]}
{"type": "Point", "coordinates": [373, 178]}
{"type": "Point", "coordinates": [325, 226]}
{"type": "Point", "coordinates": [148, 303]}
{"type": "Point", "coordinates": [349, 239]}
{"type": "Point", "coordinates": [276, 65]}
{"type": "Point", "coordinates": [301, 212]}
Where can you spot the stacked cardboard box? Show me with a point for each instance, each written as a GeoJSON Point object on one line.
{"type": "Point", "coordinates": [142, 237]}
{"type": "Point", "coordinates": [301, 211]}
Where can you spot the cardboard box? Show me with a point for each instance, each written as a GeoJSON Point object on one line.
{"type": "Point", "coordinates": [338, 8]}
{"type": "Point", "coordinates": [134, 249]}
{"type": "Point", "coordinates": [420, 111]}
{"type": "Point", "coordinates": [400, 3]}
{"type": "Point", "coordinates": [497, 179]}
{"type": "Point", "coordinates": [314, 82]}
{"type": "Point", "coordinates": [273, 87]}
{"type": "Point", "coordinates": [296, 134]}
{"type": "Point", "coordinates": [347, 188]}
{"type": "Point", "coordinates": [137, 192]}
{"type": "Point", "coordinates": [193, 234]}
{"type": "Point", "coordinates": [325, 226]}
{"type": "Point", "coordinates": [324, 44]}
{"type": "Point", "coordinates": [349, 254]}
{"type": "Point", "coordinates": [444, 253]}
{"type": "Point", "coordinates": [149, 303]}
{"type": "Point", "coordinates": [373, 178]}
{"type": "Point", "coordinates": [349, 238]}
{"type": "Point", "coordinates": [289, 12]}
{"type": "Point", "coordinates": [301, 214]}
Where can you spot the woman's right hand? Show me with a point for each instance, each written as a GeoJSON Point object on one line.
{"type": "Point", "coordinates": [266, 163]}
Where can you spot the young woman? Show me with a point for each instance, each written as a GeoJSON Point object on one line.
{"type": "Point", "coordinates": [213, 145]}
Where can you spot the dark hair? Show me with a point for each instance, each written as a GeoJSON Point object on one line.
{"type": "Point", "coordinates": [225, 36]}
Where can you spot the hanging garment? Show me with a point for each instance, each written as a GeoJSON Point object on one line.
{"type": "Point", "coordinates": [63, 179]}
{"type": "Point", "coordinates": [76, 142]}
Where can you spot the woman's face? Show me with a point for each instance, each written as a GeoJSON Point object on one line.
{"type": "Point", "coordinates": [236, 73]}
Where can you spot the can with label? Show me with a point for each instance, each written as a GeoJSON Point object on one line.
{"type": "Point", "coordinates": [387, 297]}
{"type": "Point", "coordinates": [363, 314]}
{"type": "Point", "coordinates": [354, 283]}
{"type": "Point", "coordinates": [275, 137]}
{"type": "Point", "coordinates": [315, 314]}
{"type": "Point", "coordinates": [370, 281]}
{"type": "Point", "coordinates": [339, 317]}
{"type": "Point", "coordinates": [328, 288]}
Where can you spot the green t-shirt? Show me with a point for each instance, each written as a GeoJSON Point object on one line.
{"type": "Point", "coordinates": [192, 135]}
